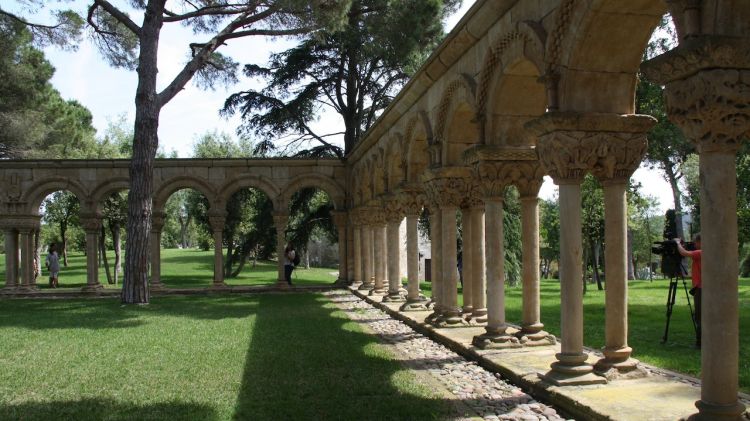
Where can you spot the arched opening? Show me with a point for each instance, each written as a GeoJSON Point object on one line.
{"type": "Point", "coordinates": [312, 231]}
{"type": "Point", "coordinates": [111, 238]}
{"type": "Point", "coordinates": [60, 224]}
{"type": "Point", "coordinates": [462, 131]}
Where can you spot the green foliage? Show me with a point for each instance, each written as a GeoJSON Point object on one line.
{"type": "Point", "coordinates": [645, 225]}
{"type": "Point", "coordinates": [63, 30]}
{"type": "Point", "coordinates": [512, 241]}
{"type": "Point", "coordinates": [354, 71]}
{"type": "Point", "coordinates": [549, 230]}
{"type": "Point", "coordinates": [310, 218]}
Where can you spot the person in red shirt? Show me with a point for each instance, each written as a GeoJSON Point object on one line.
{"type": "Point", "coordinates": [695, 271]}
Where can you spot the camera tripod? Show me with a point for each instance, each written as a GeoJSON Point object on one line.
{"type": "Point", "coordinates": [671, 295]}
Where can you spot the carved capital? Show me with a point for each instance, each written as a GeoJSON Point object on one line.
{"type": "Point", "coordinates": [217, 221]}
{"type": "Point", "coordinates": [392, 209]}
{"type": "Point", "coordinates": [91, 224]}
{"type": "Point", "coordinates": [474, 195]}
{"type": "Point", "coordinates": [21, 223]}
{"type": "Point", "coordinates": [712, 108]}
{"type": "Point", "coordinates": [412, 200]}
{"type": "Point", "coordinates": [447, 186]}
{"type": "Point", "coordinates": [608, 145]}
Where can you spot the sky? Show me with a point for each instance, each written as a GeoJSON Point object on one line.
{"type": "Point", "coordinates": [108, 93]}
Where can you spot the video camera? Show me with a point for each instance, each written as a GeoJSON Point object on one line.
{"type": "Point", "coordinates": [671, 260]}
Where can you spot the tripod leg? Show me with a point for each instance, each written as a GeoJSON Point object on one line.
{"type": "Point", "coordinates": [671, 295]}
{"type": "Point", "coordinates": [692, 313]}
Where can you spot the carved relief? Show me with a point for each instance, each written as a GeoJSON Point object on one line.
{"type": "Point", "coordinates": [489, 178]}
{"type": "Point", "coordinates": [393, 211]}
{"type": "Point", "coordinates": [412, 201]}
{"type": "Point", "coordinates": [447, 186]}
{"type": "Point", "coordinates": [14, 188]}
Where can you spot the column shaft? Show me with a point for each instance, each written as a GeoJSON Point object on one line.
{"type": "Point", "coordinates": [451, 311]}
{"type": "Point", "coordinates": [92, 260]}
{"type": "Point", "coordinates": [218, 258]}
{"type": "Point", "coordinates": [357, 246]}
{"type": "Point", "coordinates": [412, 257]}
{"type": "Point", "coordinates": [467, 264]}
{"type": "Point", "coordinates": [571, 275]}
{"type": "Point", "coordinates": [27, 259]}
{"type": "Point", "coordinates": [436, 263]}
{"type": "Point", "coordinates": [368, 274]}
{"type": "Point", "coordinates": [616, 271]}
{"type": "Point", "coordinates": [342, 253]}
{"type": "Point", "coordinates": [495, 262]}
{"type": "Point", "coordinates": [530, 241]}
{"type": "Point", "coordinates": [11, 258]}
{"type": "Point", "coordinates": [479, 288]}
{"type": "Point", "coordinates": [720, 307]}
{"type": "Point", "coordinates": [381, 259]}
{"type": "Point", "coordinates": [394, 261]}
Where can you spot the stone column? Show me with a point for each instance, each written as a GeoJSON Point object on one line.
{"type": "Point", "coordinates": [571, 144]}
{"type": "Point", "coordinates": [27, 258]}
{"type": "Point", "coordinates": [280, 221]}
{"type": "Point", "coordinates": [92, 225]}
{"type": "Point", "coordinates": [412, 202]}
{"type": "Point", "coordinates": [157, 223]}
{"type": "Point", "coordinates": [708, 97]}
{"type": "Point", "coordinates": [479, 288]}
{"type": "Point", "coordinates": [531, 333]}
{"type": "Point", "coordinates": [496, 335]}
{"type": "Point", "coordinates": [357, 248]}
{"type": "Point", "coordinates": [380, 261]}
{"type": "Point", "coordinates": [11, 259]}
{"type": "Point", "coordinates": [350, 251]}
{"type": "Point", "coordinates": [339, 219]}
{"type": "Point", "coordinates": [368, 275]}
{"type": "Point", "coordinates": [467, 267]}
{"type": "Point", "coordinates": [448, 228]}
{"type": "Point", "coordinates": [217, 226]}
{"type": "Point", "coordinates": [394, 219]}
{"type": "Point", "coordinates": [436, 266]}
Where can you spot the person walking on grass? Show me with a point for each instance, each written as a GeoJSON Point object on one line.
{"type": "Point", "coordinates": [52, 262]}
{"type": "Point", "coordinates": [289, 258]}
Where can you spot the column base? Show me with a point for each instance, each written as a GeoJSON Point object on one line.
{"type": "Point", "coordinates": [430, 303]}
{"type": "Point", "coordinates": [341, 282]}
{"type": "Point", "coordinates": [478, 317]}
{"type": "Point", "coordinates": [9, 290]}
{"type": "Point", "coordinates": [572, 370]}
{"type": "Point", "coordinates": [366, 286]}
{"type": "Point", "coordinates": [539, 338]}
{"type": "Point", "coordinates": [434, 316]}
{"type": "Point", "coordinates": [92, 288]}
{"type": "Point", "coordinates": [495, 338]}
{"type": "Point", "coordinates": [712, 412]}
{"type": "Point", "coordinates": [628, 369]}
{"type": "Point", "coordinates": [466, 312]}
{"type": "Point", "coordinates": [450, 319]}
{"type": "Point", "coordinates": [378, 292]}
{"type": "Point", "coordinates": [394, 298]}
{"type": "Point", "coordinates": [419, 304]}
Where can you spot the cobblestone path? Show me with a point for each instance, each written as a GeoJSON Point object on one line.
{"type": "Point", "coordinates": [480, 390]}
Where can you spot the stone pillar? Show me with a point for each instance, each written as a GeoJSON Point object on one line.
{"type": "Point", "coordinates": [479, 288]}
{"type": "Point", "coordinates": [394, 219]}
{"type": "Point", "coordinates": [279, 221]}
{"type": "Point", "coordinates": [217, 226]}
{"type": "Point", "coordinates": [380, 261]}
{"type": "Point", "coordinates": [707, 96]}
{"type": "Point", "coordinates": [451, 315]}
{"type": "Point", "coordinates": [92, 225]}
{"type": "Point", "coordinates": [496, 335]}
{"type": "Point", "coordinates": [467, 267]}
{"type": "Point", "coordinates": [350, 251]}
{"type": "Point", "coordinates": [571, 144]}
{"type": "Point", "coordinates": [368, 275]}
{"type": "Point", "coordinates": [357, 249]}
{"type": "Point", "coordinates": [414, 300]}
{"type": "Point", "coordinates": [436, 266]}
{"type": "Point", "coordinates": [531, 333]}
{"type": "Point", "coordinates": [11, 259]}
{"type": "Point", "coordinates": [157, 223]}
{"type": "Point", "coordinates": [27, 258]}
{"type": "Point", "coordinates": [339, 219]}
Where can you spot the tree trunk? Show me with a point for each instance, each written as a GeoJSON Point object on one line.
{"type": "Point", "coordinates": [64, 241]}
{"type": "Point", "coordinates": [115, 228]}
{"type": "Point", "coordinates": [595, 265]}
{"type": "Point", "coordinates": [242, 261]}
{"type": "Point", "coordinates": [676, 196]}
{"type": "Point", "coordinates": [184, 222]}
{"type": "Point", "coordinates": [103, 254]}
{"type": "Point", "coordinates": [631, 263]}
{"type": "Point", "coordinates": [229, 261]}
{"type": "Point", "coordinates": [145, 142]}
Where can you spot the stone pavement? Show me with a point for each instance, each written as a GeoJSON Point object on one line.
{"type": "Point", "coordinates": [482, 392]}
{"type": "Point", "coordinates": [661, 395]}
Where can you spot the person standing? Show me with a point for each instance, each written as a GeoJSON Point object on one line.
{"type": "Point", "coordinates": [289, 257]}
{"type": "Point", "coordinates": [695, 271]}
{"type": "Point", "coordinates": [52, 262]}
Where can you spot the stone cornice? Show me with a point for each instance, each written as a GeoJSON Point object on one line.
{"type": "Point", "coordinates": [590, 122]}
{"type": "Point", "coordinates": [478, 153]}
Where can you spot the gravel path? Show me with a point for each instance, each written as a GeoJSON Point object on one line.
{"type": "Point", "coordinates": [480, 390]}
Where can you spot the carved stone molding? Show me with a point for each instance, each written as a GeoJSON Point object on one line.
{"type": "Point", "coordinates": [607, 145]}
{"type": "Point", "coordinates": [392, 208]}
{"type": "Point", "coordinates": [217, 221]}
{"type": "Point", "coordinates": [19, 222]}
{"type": "Point", "coordinates": [499, 153]}
{"type": "Point", "coordinates": [91, 224]}
{"type": "Point", "coordinates": [412, 200]}
{"type": "Point", "coordinates": [474, 195]}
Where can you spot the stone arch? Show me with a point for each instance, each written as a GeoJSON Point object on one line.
{"type": "Point", "coordinates": [457, 121]}
{"type": "Point", "coordinates": [332, 189]}
{"type": "Point", "coordinates": [106, 188]}
{"type": "Point", "coordinates": [526, 41]}
{"type": "Point", "coordinates": [580, 63]}
{"type": "Point", "coordinates": [418, 137]}
{"type": "Point", "coordinates": [38, 191]}
{"type": "Point", "coordinates": [250, 181]}
{"type": "Point", "coordinates": [166, 189]}
{"type": "Point", "coordinates": [395, 163]}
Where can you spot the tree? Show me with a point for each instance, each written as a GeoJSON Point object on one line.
{"type": "Point", "coordinates": [512, 237]}
{"type": "Point", "coordinates": [668, 149]}
{"type": "Point", "coordinates": [64, 31]}
{"type": "Point", "coordinates": [354, 71]}
{"type": "Point", "coordinates": [310, 219]}
{"type": "Point", "coordinates": [62, 208]}
{"type": "Point", "coordinates": [114, 213]}
{"type": "Point", "coordinates": [592, 222]}
{"type": "Point", "coordinates": [125, 43]}
{"type": "Point", "coordinates": [550, 234]}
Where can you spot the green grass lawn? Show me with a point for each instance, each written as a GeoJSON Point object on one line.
{"type": "Point", "coordinates": [263, 357]}
{"type": "Point", "coordinates": [647, 318]}
{"type": "Point", "coordinates": [188, 268]}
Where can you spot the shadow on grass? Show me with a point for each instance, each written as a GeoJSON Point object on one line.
{"type": "Point", "coordinates": [102, 409]}
{"type": "Point", "coordinates": [307, 362]}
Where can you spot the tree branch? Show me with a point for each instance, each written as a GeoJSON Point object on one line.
{"type": "Point", "coordinates": [27, 23]}
{"type": "Point", "coordinates": [115, 13]}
